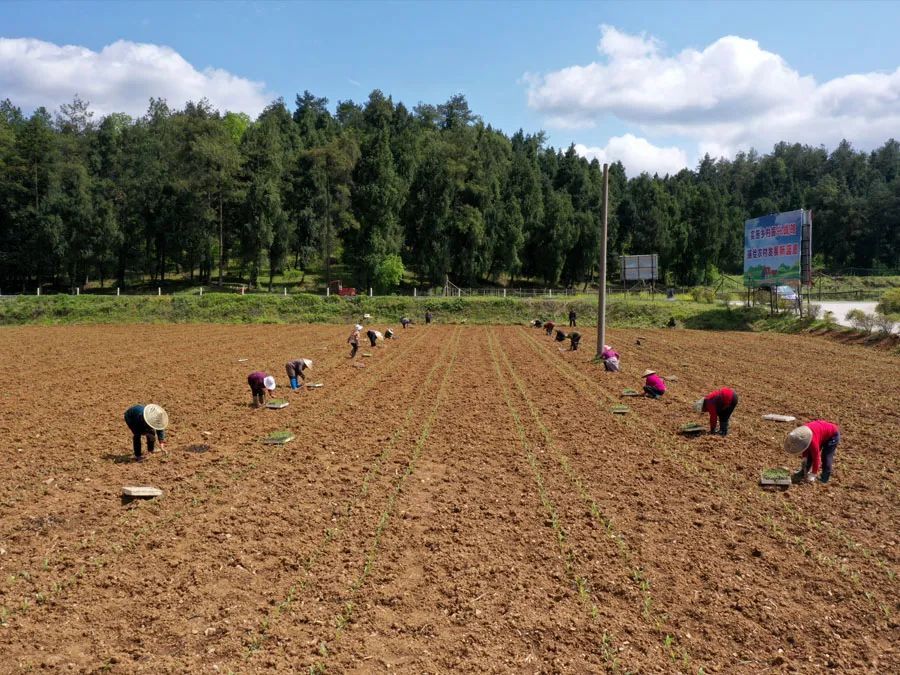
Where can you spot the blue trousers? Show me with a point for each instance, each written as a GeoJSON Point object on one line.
{"type": "Point", "coordinates": [828, 451]}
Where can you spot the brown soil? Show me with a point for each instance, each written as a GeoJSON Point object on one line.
{"type": "Point", "coordinates": [465, 502]}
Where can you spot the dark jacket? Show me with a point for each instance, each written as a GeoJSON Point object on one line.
{"type": "Point", "coordinates": [134, 418]}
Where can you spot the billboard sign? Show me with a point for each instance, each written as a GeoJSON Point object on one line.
{"type": "Point", "coordinates": [772, 248]}
{"type": "Point", "coordinates": [640, 267]}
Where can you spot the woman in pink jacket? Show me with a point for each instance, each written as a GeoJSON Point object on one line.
{"type": "Point", "coordinates": [815, 442]}
{"type": "Point", "coordinates": [654, 387]}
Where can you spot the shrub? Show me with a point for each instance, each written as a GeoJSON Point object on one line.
{"type": "Point", "coordinates": [890, 302]}
{"type": "Point", "coordinates": [705, 295]}
{"type": "Point", "coordinates": [829, 318]}
{"type": "Point", "coordinates": [861, 321]}
{"type": "Point", "coordinates": [885, 323]}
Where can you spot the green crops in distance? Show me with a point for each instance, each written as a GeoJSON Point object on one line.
{"type": "Point", "coordinates": [307, 308]}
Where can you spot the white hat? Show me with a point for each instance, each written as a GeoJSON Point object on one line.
{"type": "Point", "coordinates": [648, 372]}
{"type": "Point", "coordinates": [358, 327]}
{"type": "Point", "coordinates": [798, 440]}
{"type": "Point", "coordinates": [367, 316]}
{"type": "Point", "coordinates": [306, 362]}
{"type": "Point", "coordinates": [269, 383]}
{"type": "Point", "coordinates": [155, 417]}
{"type": "Point", "coordinates": [378, 334]}
{"type": "Point", "coordinates": [698, 405]}
{"type": "Point", "coordinates": [607, 347]}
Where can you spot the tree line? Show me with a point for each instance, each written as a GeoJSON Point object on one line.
{"type": "Point", "coordinates": [377, 186]}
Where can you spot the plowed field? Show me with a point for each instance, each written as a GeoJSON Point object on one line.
{"type": "Point", "coordinates": [466, 501]}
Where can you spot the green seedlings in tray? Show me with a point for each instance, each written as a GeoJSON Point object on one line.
{"type": "Point", "coordinates": [619, 409]}
{"type": "Point", "coordinates": [630, 392]}
{"type": "Point", "coordinates": [279, 438]}
{"type": "Point", "coordinates": [277, 403]}
{"type": "Point", "coordinates": [776, 474]}
{"type": "Point", "coordinates": [691, 428]}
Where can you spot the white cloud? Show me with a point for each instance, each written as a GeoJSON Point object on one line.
{"type": "Point", "coordinates": [121, 77]}
{"type": "Point", "coordinates": [638, 155]}
{"type": "Point", "coordinates": [730, 95]}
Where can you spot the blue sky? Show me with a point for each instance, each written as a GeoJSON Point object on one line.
{"type": "Point", "coordinates": [426, 51]}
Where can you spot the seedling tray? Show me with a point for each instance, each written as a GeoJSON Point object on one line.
{"type": "Point", "coordinates": [620, 409]}
{"type": "Point", "coordinates": [630, 392]}
{"type": "Point", "coordinates": [278, 438]}
{"type": "Point", "coordinates": [277, 404]}
{"type": "Point", "coordinates": [692, 428]}
{"type": "Point", "coordinates": [366, 356]}
{"type": "Point", "coordinates": [779, 418]}
{"type": "Point", "coordinates": [315, 386]}
{"type": "Point", "coordinates": [775, 477]}
{"type": "Point", "coordinates": [141, 492]}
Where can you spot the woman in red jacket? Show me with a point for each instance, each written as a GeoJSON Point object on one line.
{"type": "Point", "coordinates": [719, 404]}
{"type": "Point", "coordinates": [817, 442]}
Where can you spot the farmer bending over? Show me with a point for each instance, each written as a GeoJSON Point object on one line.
{"type": "Point", "coordinates": [150, 421]}
{"type": "Point", "coordinates": [428, 316]}
{"type": "Point", "coordinates": [575, 339]}
{"type": "Point", "coordinates": [260, 384]}
{"type": "Point", "coordinates": [295, 369]}
{"type": "Point", "coordinates": [548, 327]}
{"type": "Point", "coordinates": [610, 359]}
{"type": "Point", "coordinates": [654, 386]}
{"type": "Point", "coordinates": [719, 404]}
{"type": "Point", "coordinates": [353, 340]}
{"type": "Point", "coordinates": [561, 336]}
{"type": "Point", "coordinates": [816, 442]}
{"type": "Point", "coordinates": [405, 322]}
{"type": "Point", "coordinates": [388, 334]}
{"type": "Point", "coordinates": [374, 336]}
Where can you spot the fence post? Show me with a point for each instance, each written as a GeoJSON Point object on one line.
{"type": "Point", "coordinates": [414, 291]}
{"type": "Point", "coordinates": [201, 291]}
{"type": "Point", "coordinates": [77, 290]}
{"type": "Point", "coordinates": [370, 291]}
{"type": "Point", "coordinates": [242, 290]}
{"type": "Point", "coordinates": [117, 291]}
{"type": "Point", "coordinates": [38, 290]}
{"type": "Point", "coordinates": [327, 291]}
{"type": "Point", "coordinates": [159, 290]}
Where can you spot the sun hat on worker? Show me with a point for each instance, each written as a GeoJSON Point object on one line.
{"type": "Point", "coordinates": [648, 372]}
{"type": "Point", "coordinates": [698, 405]}
{"type": "Point", "coordinates": [358, 327]}
{"type": "Point", "coordinates": [378, 334]}
{"type": "Point", "coordinates": [798, 440]}
{"type": "Point", "coordinates": [607, 347]}
{"type": "Point", "coordinates": [269, 383]}
{"type": "Point", "coordinates": [307, 363]}
{"type": "Point", "coordinates": [155, 417]}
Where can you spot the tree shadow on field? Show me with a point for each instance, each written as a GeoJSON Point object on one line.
{"type": "Point", "coordinates": [127, 458]}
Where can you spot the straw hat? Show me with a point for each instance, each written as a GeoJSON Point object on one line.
{"type": "Point", "coordinates": [307, 363]}
{"type": "Point", "coordinates": [698, 405]}
{"type": "Point", "coordinates": [648, 372]}
{"type": "Point", "coordinates": [358, 327]}
{"type": "Point", "coordinates": [607, 347]}
{"type": "Point", "coordinates": [798, 440]}
{"type": "Point", "coordinates": [269, 383]}
{"type": "Point", "coordinates": [155, 417]}
{"type": "Point", "coordinates": [378, 334]}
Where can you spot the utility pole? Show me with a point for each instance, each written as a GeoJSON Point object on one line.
{"type": "Point", "coordinates": [601, 293]}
